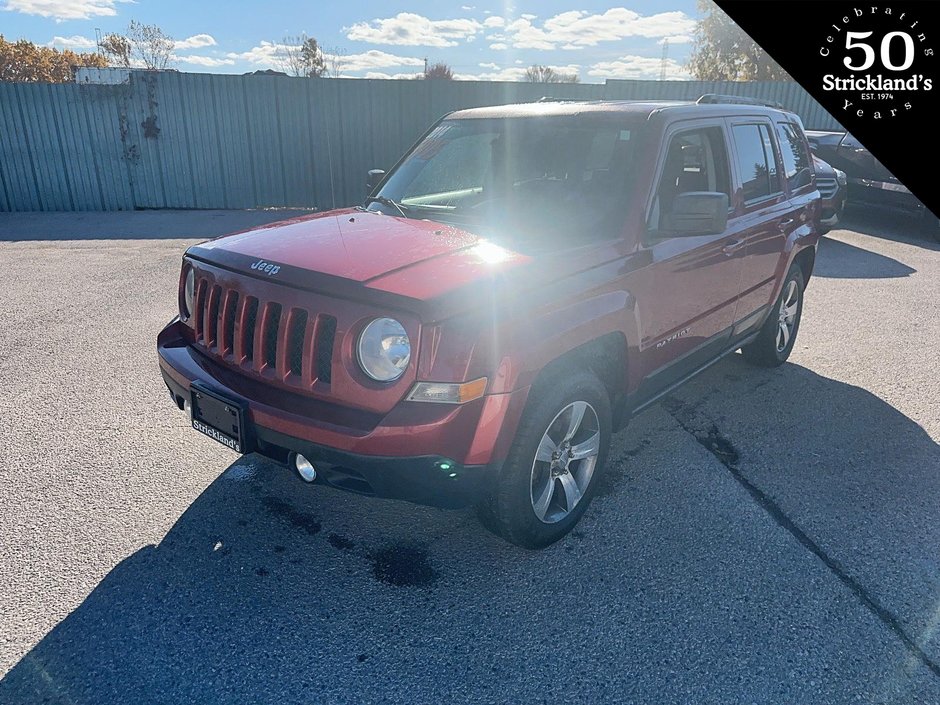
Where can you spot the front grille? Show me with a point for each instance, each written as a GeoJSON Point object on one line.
{"type": "Point", "coordinates": [264, 338]}
{"type": "Point", "coordinates": [827, 187]}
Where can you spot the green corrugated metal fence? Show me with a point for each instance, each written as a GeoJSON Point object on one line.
{"type": "Point", "coordinates": [176, 140]}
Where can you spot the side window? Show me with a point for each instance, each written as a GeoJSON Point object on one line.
{"type": "Point", "coordinates": [756, 161]}
{"type": "Point", "coordinates": [696, 160]}
{"type": "Point", "coordinates": [796, 166]}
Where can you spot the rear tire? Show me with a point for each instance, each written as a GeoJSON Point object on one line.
{"type": "Point", "coordinates": [550, 475]}
{"type": "Point", "coordinates": [774, 342]}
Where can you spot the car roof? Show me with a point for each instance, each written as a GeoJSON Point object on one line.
{"type": "Point", "coordinates": [640, 108]}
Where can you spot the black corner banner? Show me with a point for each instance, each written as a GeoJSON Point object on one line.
{"type": "Point", "coordinates": [872, 65]}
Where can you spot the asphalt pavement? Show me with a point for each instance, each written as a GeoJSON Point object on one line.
{"type": "Point", "coordinates": [762, 536]}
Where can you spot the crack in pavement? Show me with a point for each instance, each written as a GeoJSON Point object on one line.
{"type": "Point", "coordinates": [724, 451]}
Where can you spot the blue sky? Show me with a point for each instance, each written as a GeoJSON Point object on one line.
{"type": "Point", "coordinates": [485, 40]}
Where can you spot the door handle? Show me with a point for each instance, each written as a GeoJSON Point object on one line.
{"type": "Point", "coordinates": [733, 247]}
{"type": "Point", "coordinates": [784, 224]}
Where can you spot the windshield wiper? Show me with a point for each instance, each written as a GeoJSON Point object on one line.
{"type": "Point", "coordinates": [386, 201]}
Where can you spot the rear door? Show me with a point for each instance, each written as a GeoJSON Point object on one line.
{"type": "Point", "coordinates": [764, 215]}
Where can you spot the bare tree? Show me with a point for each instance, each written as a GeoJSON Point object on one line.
{"type": "Point", "coordinates": [439, 71]}
{"type": "Point", "coordinates": [144, 45]}
{"type": "Point", "coordinates": [546, 74]}
{"type": "Point", "coordinates": [301, 56]}
{"type": "Point", "coordinates": [117, 49]}
{"type": "Point", "coordinates": [337, 58]}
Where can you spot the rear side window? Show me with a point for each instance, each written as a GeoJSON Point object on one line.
{"type": "Point", "coordinates": [796, 165]}
{"type": "Point", "coordinates": [695, 160]}
{"type": "Point", "coordinates": [756, 161]}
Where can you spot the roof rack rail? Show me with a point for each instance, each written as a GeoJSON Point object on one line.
{"type": "Point", "coordinates": [718, 98]}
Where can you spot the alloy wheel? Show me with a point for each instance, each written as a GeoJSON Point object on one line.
{"type": "Point", "coordinates": [789, 307]}
{"type": "Point", "coordinates": [564, 462]}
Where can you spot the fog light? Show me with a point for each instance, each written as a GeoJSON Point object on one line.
{"type": "Point", "coordinates": [187, 408]}
{"type": "Point", "coordinates": [305, 468]}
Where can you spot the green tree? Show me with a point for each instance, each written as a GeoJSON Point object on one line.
{"type": "Point", "coordinates": [722, 51]}
{"type": "Point", "coordinates": [546, 74]}
{"type": "Point", "coordinates": [24, 62]}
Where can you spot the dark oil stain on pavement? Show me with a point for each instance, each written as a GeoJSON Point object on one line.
{"type": "Point", "coordinates": [295, 517]}
{"type": "Point", "coordinates": [340, 543]}
{"type": "Point", "coordinates": [403, 566]}
{"type": "Point", "coordinates": [720, 447]}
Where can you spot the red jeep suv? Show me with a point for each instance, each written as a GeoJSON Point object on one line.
{"type": "Point", "coordinates": [519, 285]}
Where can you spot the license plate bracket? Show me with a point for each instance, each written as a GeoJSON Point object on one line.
{"type": "Point", "coordinates": [221, 418]}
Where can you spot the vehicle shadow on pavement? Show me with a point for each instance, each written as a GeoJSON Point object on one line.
{"type": "Point", "coordinates": [889, 224]}
{"type": "Point", "coordinates": [267, 589]}
{"type": "Point", "coordinates": [840, 260]}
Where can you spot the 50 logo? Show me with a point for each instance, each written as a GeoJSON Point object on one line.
{"type": "Point", "coordinates": [886, 66]}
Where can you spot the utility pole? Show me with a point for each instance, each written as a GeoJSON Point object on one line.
{"type": "Point", "coordinates": [663, 63]}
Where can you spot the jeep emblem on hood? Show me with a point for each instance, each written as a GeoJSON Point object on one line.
{"type": "Point", "coordinates": [266, 267]}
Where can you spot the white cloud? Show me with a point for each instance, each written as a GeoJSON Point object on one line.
{"type": "Point", "coordinates": [677, 39]}
{"type": "Point", "coordinates": [409, 29]}
{"type": "Point", "coordinates": [76, 43]}
{"type": "Point", "coordinates": [468, 7]}
{"type": "Point", "coordinates": [494, 21]}
{"type": "Point", "coordinates": [265, 53]}
{"type": "Point", "coordinates": [498, 46]}
{"type": "Point", "coordinates": [638, 67]}
{"type": "Point", "coordinates": [382, 74]}
{"type": "Point", "coordinates": [196, 41]}
{"type": "Point", "coordinates": [511, 73]}
{"type": "Point", "coordinates": [269, 53]}
{"type": "Point", "coordinates": [204, 60]}
{"type": "Point", "coordinates": [374, 59]}
{"type": "Point", "coordinates": [526, 16]}
{"type": "Point", "coordinates": [64, 9]}
{"type": "Point", "coordinates": [577, 28]}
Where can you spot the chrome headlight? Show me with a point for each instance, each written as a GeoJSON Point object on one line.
{"type": "Point", "coordinates": [840, 177]}
{"type": "Point", "coordinates": [189, 293]}
{"type": "Point", "coordinates": [384, 349]}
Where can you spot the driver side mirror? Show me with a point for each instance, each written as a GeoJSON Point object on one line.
{"type": "Point", "coordinates": [697, 213]}
{"type": "Point", "coordinates": [373, 177]}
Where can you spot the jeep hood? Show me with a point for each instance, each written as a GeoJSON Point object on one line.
{"type": "Point", "coordinates": [364, 255]}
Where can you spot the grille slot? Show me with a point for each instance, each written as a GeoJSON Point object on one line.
{"type": "Point", "coordinates": [326, 333]}
{"type": "Point", "coordinates": [295, 341]}
{"type": "Point", "coordinates": [248, 334]}
{"type": "Point", "coordinates": [212, 317]}
{"type": "Point", "coordinates": [827, 187]}
{"type": "Point", "coordinates": [269, 342]}
{"type": "Point", "coordinates": [226, 345]}
{"type": "Point", "coordinates": [200, 309]}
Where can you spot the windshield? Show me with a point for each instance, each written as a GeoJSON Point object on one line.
{"type": "Point", "coordinates": [522, 177]}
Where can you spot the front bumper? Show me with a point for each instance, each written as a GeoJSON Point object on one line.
{"type": "Point", "coordinates": [435, 454]}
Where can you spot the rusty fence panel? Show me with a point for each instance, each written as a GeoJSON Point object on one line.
{"type": "Point", "coordinates": [179, 140]}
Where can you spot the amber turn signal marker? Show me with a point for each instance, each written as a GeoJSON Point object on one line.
{"type": "Point", "coordinates": [447, 392]}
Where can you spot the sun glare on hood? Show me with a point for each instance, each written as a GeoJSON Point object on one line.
{"type": "Point", "coordinates": [491, 253]}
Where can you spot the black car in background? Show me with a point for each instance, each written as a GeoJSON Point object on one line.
{"type": "Point", "coordinates": [868, 179]}
{"type": "Point", "coordinates": [831, 183]}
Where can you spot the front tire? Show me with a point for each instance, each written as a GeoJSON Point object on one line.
{"type": "Point", "coordinates": [776, 338]}
{"type": "Point", "coordinates": [550, 475]}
